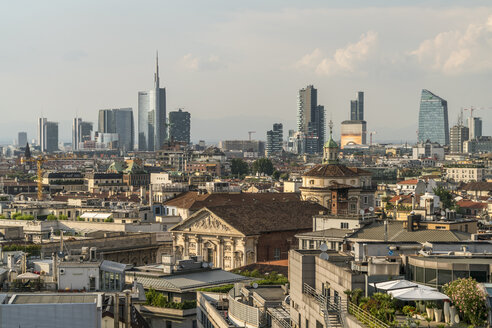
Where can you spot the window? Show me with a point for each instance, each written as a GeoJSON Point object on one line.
{"type": "Point", "coordinates": [169, 324]}
{"type": "Point", "coordinates": [366, 199]}
{"type": "Point", "coordinates": [307, 323]}
{"type": "Point", "coordinates": [311, 182]}
{"type": "Point", "coordinates": [276, 254]}
{"type": "Point", "coordinates": [344, 225]}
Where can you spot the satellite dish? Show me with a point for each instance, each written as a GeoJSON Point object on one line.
{"type": "Point", "coordinates": [324, 256]}
{"type": "Point", "coordinates": [204, 265]}
{"type": "Point", "coordinates": [255, 285]}
{"type": "Point", "coordinates": [443, 213]}
{"type": "Point", "coordinates": [323, 247]}
{"type": "Point", "coordinates": [211, 264]}
{"type": "Point", "coordinates": [361, 212]}
{"type": "Point", "coordinates": [371, 209]}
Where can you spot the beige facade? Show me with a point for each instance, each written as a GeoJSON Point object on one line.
{"type": "Point", "coordinates": [205, 234]}
{"type": "Point", "coordinates": [465, 174]}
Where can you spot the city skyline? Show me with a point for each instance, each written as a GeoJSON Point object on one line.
{"type": "Point", "coordinates": [357, 59]}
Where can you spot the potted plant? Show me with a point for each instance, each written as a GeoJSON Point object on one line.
{"type": "Point", "coordinates": [429, 308]}
{"type": "Point", "coordinates": [421, 306]}
{"type": "Point", "coordinates": [428, 321]}
{"type": "Point", "coordinates": [437, 314]}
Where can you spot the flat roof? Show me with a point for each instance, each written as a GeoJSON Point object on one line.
{"type": "Point", "coordinates": [53, 298]}
{"type": "Point", "coordinates": [270, 293]}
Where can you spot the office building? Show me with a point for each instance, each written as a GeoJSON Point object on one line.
{"type": "Point", "coordinates": [22, 139]}
{"type": "Point", "coordinates": [41, 122]}
{"type": "Point", "coordinates": [478, 145]}
{"type": "Point", "coordinates": [152, 116]}
{"type": "Point", "coordinates": [81, 131]}
{"type": "Point", "coordinates": [47, 135]}
{"type": "Point", "coordinates": [252, 146]}
{"type": "Point", "coordinates": [310, 120]}
{"type": "Point", "coordinates": [357, 107]}
{"type": "Point", "coordinates": [475, 127]}
{"type": "Point", "coordinates": [353, 133]}
{"type": "Point", "coordinates": [118, 121]}
{"type": "Point", "coordinates": [458, 134]}
{"type": "Point", "coordinates": [179, 126]}
{"type": "Point", "coordinates": [275, 140]}
{"type": "Point", "coordinates": [433, 119]}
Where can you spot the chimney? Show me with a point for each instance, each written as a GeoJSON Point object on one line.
{"type": "Point", "coordinates": [116, 312]}
{"type": "Point", "coordinates": [410, 219]}
{"type": "Point", "coordinates": [128, 320]}
{"type": "Point", "coordinates": [413, 201]}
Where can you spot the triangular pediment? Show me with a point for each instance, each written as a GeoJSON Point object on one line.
{"type": "Point", "coordinates": [204, 221]}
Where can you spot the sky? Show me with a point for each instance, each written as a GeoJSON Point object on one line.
{"type": "Point", "coordinates": [237, 66]}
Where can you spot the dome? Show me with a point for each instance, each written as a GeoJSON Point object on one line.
{"type": "Point", "coordinates": [331, 143]}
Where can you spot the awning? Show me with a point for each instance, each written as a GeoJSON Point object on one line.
{"type": "Point", "coordinates": [28, 275]}
{"type": "Point", "coordinates": [417, 294]}
{"type": "Point", "coordinates": [397, 284]}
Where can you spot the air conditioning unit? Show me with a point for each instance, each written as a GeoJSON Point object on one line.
{"type": "Point", "coordinates": [62, 271]}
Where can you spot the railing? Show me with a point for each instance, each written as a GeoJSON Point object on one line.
{"type": "Point", "coordinates": [329, 306]}
{"type": "Point", "coordinates": [365, 317]}
{"type": "Point", "coordinates": [281, 321]}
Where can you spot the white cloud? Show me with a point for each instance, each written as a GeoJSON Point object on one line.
{"type": "Point", "coordinates": [344, 60]}
{"type": "Point", "coordinates": [196, 63]}
{"type": "Point", "coordinates": [458, 51]}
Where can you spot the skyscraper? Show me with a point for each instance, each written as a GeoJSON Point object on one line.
{"type": "Point", "coordinates": [22, 139]}
{"type": "Point", "coordinates": [353, 131]}
{"type": "Point", "coordinates": [41, 122]}
{"type": "Point", "coordinates": [179, 126]}
{"type": "Point", "coordinates": [475, 127]}
{"type": "Point", "coordinates": [47, 135]}
{"type": "Point", "coordinates": [275, 139]}
{"type": "Point", "coordinates": [81, 131]}
{"type": "Point", "coordinates": [433, 119]}
{"type": "Point", "coordinates": [458, 134]}
{"type": "Point", "coordinates": [357, 107]}
{"type": "Point", "coordinates": [152, 116]}
{"type": "Point", "coordinates": [310, 120]}
{"type": "Point", "coordinates": [120, 121]}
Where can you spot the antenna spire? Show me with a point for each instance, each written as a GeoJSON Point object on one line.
{"type": "Point", "coordinates": [156, 74]}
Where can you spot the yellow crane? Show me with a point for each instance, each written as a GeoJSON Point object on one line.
{"type": "Point", "coordinates": [39, 166]}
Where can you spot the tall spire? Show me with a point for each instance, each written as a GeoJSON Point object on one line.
{"type": "Point", "coordinates": [156, 74]}
{"type": "Point", "coordinates": [330, 124]}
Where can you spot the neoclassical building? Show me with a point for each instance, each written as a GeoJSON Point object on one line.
{"type": "Point", "coordinates": [231, 236]}
{"type": "Point", "coordinates": [342, 190]}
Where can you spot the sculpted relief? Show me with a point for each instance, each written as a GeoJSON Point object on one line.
{"type": "Point", "coordinates": [209, 224]}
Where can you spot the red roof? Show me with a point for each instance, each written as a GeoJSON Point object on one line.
{"type": "Point", "coordinates": [409, 182]}
{"type": "Point", "coordinates": [471, 204]}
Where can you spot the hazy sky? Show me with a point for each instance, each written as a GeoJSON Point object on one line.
{"type": "Point", "coordinates": [237, 65]}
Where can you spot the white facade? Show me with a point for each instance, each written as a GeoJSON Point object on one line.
{"type": "Point", "coordinates": [81, 276]}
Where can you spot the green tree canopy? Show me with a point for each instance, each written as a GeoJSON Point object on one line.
{"type": "Point", "coordinates": [263, 165]}
{"type": "Point", "coordinates": [446, 197]}
{"type": "Point", "coordinates": [239, 167]}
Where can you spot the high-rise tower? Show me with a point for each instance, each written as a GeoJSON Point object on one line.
{"type": "Point", "coordinates": [152, 115]}
{"type": "Point", "coordinates": [310, 120]}
{"type": "Point", "coordinates": [179, 126]}
{"type": "Point", "coordinates": [433, 119]}
{"type": "Point", "coordinates": [120, 121]}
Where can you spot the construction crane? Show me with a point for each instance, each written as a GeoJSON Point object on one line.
{"type": "Point", "coordinates": [39, 169]}
{"type": "Point", "coordinates": [250, 133]}
{"type": "Point", "coordinates": [472, 109]}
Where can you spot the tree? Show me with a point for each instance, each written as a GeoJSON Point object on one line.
{"type": "Point", "coordinates": [239, 167]}
{"type": "Point", "coordinates": [446, 197]}
{"type": "Point", "coordinates": [263, 165]}
{"type": "Point", "coordinates": [469, 299]}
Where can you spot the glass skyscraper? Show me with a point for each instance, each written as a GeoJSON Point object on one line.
{"type": "Point", "coordinates": [179, 126]}
{"type": "Point", "coordinates": [310, 120]}
{"type": "Point", "coordinates": [152, 116]}
{"type": "Point", "coordinates": [118, 120]}
{"type": "Point", "coordinates": [433, 119]}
